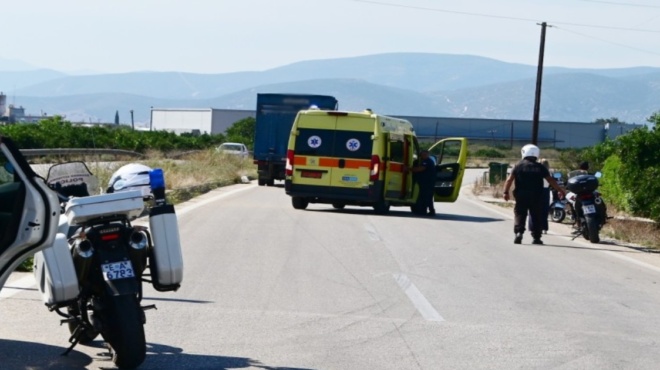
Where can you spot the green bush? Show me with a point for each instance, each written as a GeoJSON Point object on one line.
{"type": "Point", "coordinates": [639, 151]}
{"type": "Point", "coordinates": [489, 153]}
{"type": "Point", "coordinates": [611, 186]}
{"type": "Point", "coordinates": [57, 133]}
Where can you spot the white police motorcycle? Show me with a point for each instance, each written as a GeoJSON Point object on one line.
{"type": "Point", "coordinates": [90, 261]}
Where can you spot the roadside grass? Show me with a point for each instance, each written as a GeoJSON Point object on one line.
{"type": "Point", "coordinates": [185, 177]}
{"type": "Point", "coordinates": [188, 176]}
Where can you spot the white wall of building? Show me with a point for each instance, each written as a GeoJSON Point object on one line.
{"type": "Point", "coordinates": [209, 121]}
{"type": "Point", "coordinates": [182, 120]}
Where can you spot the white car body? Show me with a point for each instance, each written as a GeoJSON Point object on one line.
{"type": "Point", "coordinates": [237, 149]}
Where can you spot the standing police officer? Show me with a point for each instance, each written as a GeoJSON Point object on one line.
{"type": "Point", "coordinates": [528, 177]}
{"type": "Point", "coordinates": [424, 174]}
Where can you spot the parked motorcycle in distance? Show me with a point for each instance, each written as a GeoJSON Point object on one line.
{"type": "Point", "coordinates": [560, 207]}
{"type": "Point", "coordinates": [92, 275]}
{"type": "Point", "coordinates": [590, 209]}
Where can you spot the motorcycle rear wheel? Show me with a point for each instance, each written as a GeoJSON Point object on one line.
{"type": "Point", "coordinates": [123, 329]}
{"type": "Point", "coordinates": [592, 229]}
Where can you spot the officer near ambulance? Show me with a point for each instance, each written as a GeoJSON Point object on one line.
{"type": "Point", "coordinates": [528, 177]}
{"type": "Point", "coordinates": [424, 175]}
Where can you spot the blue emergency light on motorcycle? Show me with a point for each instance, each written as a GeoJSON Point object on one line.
{"type": "Point", "coordinates": [157, 183]}
{"type": "Point", "coordinates": [157, 179]}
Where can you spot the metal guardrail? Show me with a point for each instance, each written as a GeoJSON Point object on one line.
{"type": "Point", "coordinates": [78, 151]}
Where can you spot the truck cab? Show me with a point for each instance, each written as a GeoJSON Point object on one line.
{"type": "Point", "coordinates": [29, 210]}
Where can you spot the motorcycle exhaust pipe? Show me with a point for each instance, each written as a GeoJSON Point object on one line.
{"type": "Point", "coordinates": [82, 258]}
{"type": "Point", "coordinates": [138, 242]}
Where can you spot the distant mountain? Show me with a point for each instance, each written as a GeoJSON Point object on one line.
{"type": "Point", "coordinates": [10, 82]}
{"type": "Point", "coordinates": [397, 83]}
{"type": "Point", "coordinates": [15, 65]}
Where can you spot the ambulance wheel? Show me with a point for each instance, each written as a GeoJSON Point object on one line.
{"type": "Point", "coordinates": [338, 205]}
{"type": "Point", "coordinates": [299, 202]}
{"type": "Point", "coordinates": [381, 207]}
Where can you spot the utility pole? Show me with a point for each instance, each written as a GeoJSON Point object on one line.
{"type": "Point", "coordinates": [132, 122]}
{"type": "Point", "coordinates": [539, 78]}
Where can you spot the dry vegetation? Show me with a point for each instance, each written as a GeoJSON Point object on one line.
{"type": "Point", "coordinates": [187, 176]}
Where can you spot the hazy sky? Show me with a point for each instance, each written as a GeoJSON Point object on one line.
{"type": "Point", "coordinates": [216, 36]}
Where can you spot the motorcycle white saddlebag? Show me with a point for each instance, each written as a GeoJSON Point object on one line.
{"type": "Point", "coordinates": [81, 210]}
{"type": "Point", "coordinates": [168, 259]}
{"type": "Point", "coordinates": [54, 272]}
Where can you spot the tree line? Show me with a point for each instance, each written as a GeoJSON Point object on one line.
{"type": "Point", "coordinates": [55, 132]}
{"type": "Point", "coordinates": [630, 165]}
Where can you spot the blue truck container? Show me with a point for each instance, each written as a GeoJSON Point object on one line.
{"type": "Point", "coordinates": [275, 116]}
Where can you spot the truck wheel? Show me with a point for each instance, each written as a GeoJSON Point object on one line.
{"type": "Point", "coordinates": [299, 202]}
{"type": "Point", "coordinates": [262, 182]}
{"type": "Point", "coordinates": [338, 205]}
{"type": "Point", "coordinates": [270, 182]}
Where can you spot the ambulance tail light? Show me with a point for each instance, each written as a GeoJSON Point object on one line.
{"type": "Point", "coordinates": [288, 169]}
{"type": "Point", "coordinates": [375, 168]}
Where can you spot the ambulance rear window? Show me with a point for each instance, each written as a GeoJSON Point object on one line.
{"type": "Point", "coordinates": [334, 143]}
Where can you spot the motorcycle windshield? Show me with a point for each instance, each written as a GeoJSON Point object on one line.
{"type": "Point", "coordinates": [72, 178]}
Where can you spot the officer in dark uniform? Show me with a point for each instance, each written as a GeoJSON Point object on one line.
{"type": "Point", "coordinates": [424, 175]}
{"type": "Point", "coordinates": [528, 177]}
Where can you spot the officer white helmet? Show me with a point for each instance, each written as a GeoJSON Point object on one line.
{"type": "Point", "coordinates": [530, 150]}
{"type": "Point", "coordinates": [133, 176]}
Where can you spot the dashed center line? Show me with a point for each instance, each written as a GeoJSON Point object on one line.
{"type": "Point", "coordinates": [418, 300]}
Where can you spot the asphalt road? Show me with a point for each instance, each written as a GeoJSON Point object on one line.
{"type": "Point", "coordinates": [270, 287]}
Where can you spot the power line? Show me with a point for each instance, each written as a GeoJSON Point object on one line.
{"type": "Point", "coordinates": [608, 42]}
{"type": "Point", "coordinates": [622, 4]}
{"type": "Point", "coordinates": [504, 17]}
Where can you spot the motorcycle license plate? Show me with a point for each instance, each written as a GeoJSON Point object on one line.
{"type": "Point", "coordinates": [589, 209]}
{"type": "Point", "coordinates": [117, 270]}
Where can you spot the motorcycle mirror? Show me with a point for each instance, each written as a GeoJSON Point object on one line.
{"type": "Point", "coordinates": [598, 174]}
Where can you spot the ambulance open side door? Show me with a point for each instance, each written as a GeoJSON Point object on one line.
{"type": "Point", "coordinates": [398, 183]}
{"type": "Point", "coordinates": [29, 210]}
{"type": "Point", "coordinates": [451, 157]}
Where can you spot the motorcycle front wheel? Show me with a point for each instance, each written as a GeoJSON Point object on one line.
{"type": "Point", "coordinates": [123, 330]}
{"type": "Point", "coordinates": [88, 335]}
{"type": "Point", "coordinates": [557, 215]}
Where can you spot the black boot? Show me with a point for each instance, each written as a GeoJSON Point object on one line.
{"type": "Point", "coordinates": [518, 238]}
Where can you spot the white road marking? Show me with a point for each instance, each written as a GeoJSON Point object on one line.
{"type": "Point", "coordinates": [17, 286]}
{"type": "Point", "coordinates": [191, 207]}
{"type": "Point", "coordinates": [418, 300]}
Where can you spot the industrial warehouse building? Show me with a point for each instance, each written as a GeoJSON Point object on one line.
{"type": "Point", "coordinates": [198, 121]}
{"type": "Point", "coordinates": [496, 131]}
